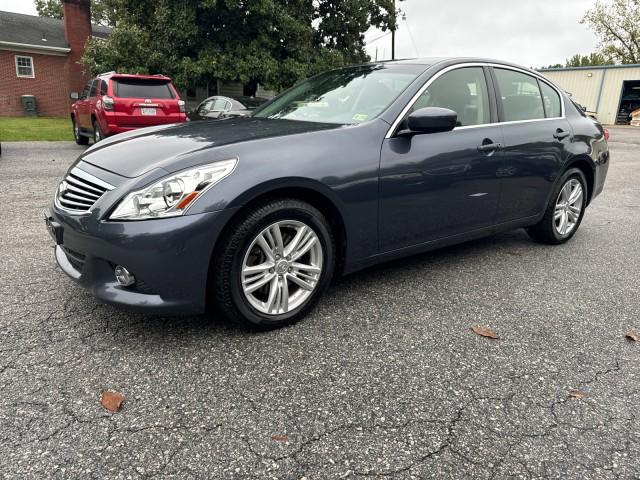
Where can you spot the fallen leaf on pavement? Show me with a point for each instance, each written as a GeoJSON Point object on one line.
{"type": "Point", "coordinates": [485, 332]}
{"type": "Point", "coordinates": [577, 394]}
{"type": "Point", "coordinates": [279, 438]}
{"type": "Point", "coordinates": [633, 336]}
{"type": "Point", "coordinates": [111, 400]}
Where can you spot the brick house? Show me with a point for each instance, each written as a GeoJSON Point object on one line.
{"type": "Point", "coordinates": [40, 56]}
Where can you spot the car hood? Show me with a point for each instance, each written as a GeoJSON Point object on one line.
{"type": "Point", "coordinates": [134, 153]}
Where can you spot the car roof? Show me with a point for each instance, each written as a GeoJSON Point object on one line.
{"type": "Point", "coordinates": [431, 61]}
{"type": "Point", "coordinates": [115, 76]}
{"type": "Point", "coordinates": [239, 101]}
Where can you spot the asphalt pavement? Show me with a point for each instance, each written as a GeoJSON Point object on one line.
{"type": "Point", "coordinates": [384, 380]}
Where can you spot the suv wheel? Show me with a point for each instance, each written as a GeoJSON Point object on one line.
{"type": "Point", "coordinates": [79, 138]}
{"type": "Point", "coordinates": [564, 213]}
{"type": "Point", "coordinates": [97, 132]}
{"type": "Point", "coordinates": [274, 264]}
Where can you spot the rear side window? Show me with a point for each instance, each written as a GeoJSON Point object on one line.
{"type": "Point", "coordinates": [464, 91]}
{"type": "Point", "coordinates": [103, 87]}
{"type": "Point", "coordinates": [94, 87]}
{"type": "Point", "coordinates": [519, 95]}
{"type": "Point", "coordinates": [551, 101]}
{"type": "Point", "coordinates": [134, 88]}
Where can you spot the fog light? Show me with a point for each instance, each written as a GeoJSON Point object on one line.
{"type": "Point", "coordinates": [124, 276]}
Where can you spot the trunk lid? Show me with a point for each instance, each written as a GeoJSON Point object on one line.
{"type": "Point", "coordinates": [142, 102]}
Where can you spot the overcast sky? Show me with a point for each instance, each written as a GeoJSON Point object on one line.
{"type": "Point", "coordinates": [533, 34]}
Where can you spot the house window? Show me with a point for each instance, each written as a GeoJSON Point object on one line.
{"type": "Point", "coordinates": [24, 67]}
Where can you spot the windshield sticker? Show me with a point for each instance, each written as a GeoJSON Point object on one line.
{"type": "Point", "coordinates": [360, 117]}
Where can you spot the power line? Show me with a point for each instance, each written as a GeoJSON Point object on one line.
{"type": "Point", "coordinates": [379, 38]}
{"type": "Point", "coordinates": [412, 40]}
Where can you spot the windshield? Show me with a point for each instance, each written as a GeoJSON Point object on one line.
{"type": "Point", "coordinates": [345, 96]}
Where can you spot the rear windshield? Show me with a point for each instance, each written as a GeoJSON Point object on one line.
{"type": "Point", "coordinates": [134, 88]}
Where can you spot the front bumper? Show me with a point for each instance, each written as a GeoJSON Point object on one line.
{"type": "Point", "coordinates": [169, 257]}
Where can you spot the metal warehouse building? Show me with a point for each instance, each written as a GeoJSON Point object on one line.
{"type": "Point", "coordinates": [612, 91]}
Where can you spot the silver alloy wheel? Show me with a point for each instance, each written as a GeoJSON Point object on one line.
{"type": "Point", "coordinates": [96, 134]}
{"type": "Point", "coordinates": [282, 267]}
{"type": "Point", "coordinates": [76, 130]}
{"type": "Point", "coordinates": [568, 207]}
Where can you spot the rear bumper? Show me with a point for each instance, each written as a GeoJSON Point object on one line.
{"type": "Point", "coordinates": [600, 174]}
{"type": "Point", "coordinates": [169, 257]}
{"type": "Point", "coordinates": [112, 125]}
{"type": "Point", "coordinates": [113, 129]}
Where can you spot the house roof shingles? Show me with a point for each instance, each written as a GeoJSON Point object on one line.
{"type": "Point", "coordinates": [32, 30]}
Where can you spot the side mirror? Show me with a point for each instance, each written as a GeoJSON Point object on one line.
{"type": "Point", "coordinates": [430, 120]}
{"type": "Point", "coordinates": [74, 95]}
{"type": "Point", "coordinates": [212, 114]}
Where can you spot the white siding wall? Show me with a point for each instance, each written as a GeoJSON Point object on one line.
{"type": "Point", "coordinates": [584, 89]}
{"type": "Point", "coordinates": [231, 89]}
{"type": "Point", "coordinates": [612, 91]}
{"type": "Point", "coordinates": [234, 89]}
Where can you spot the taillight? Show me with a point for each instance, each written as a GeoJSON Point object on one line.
{"type": "Point", "coordinates": [107, 102]}
{"type": "Point", "coordinates": [182, 106]}
{"type": "Point", "coordinates": [606, 134]}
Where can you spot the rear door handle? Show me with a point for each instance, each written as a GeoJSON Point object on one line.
{"type": "Point", "coordinates": [489, 147]}
{"type": "Point", "coordinates": [560, 134]}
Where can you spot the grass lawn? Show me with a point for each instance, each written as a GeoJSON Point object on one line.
{"type": "Point", "coordinates": [27, 129]}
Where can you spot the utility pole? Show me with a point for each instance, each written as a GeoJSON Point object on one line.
{"type": "Point", "coordinates": [393, 31]}
{"type": "Point", "coordinates": [393, 44]}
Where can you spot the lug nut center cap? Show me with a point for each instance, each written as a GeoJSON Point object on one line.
{"type": "Point", "coordinates": [282, 266]}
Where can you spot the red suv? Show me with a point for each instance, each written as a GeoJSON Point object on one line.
{"type": "Point", "coordinates": [114, 103]}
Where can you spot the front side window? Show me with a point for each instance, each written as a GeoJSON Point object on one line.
{"type": "Point", "coordinates": [206, 107]}
{"type": "Point", "coordinates": [213, 105]}
{"type": "Point", "coordinates": [94, 88]}
{"type": "Point", "coordinates": [103, 87]}
{"type": "Point", "coordinates": [220, 105]}
{"type": "Point", "coordinates": [519, 95]}
{"type": "Point", "coordinates": [346, 96]}
{"type": "Point", "coordinates": [464, 91]}
{"type": "Point", "coordinates": [87, 90]}
{"type": "Point", "coordinates": [24, 67]}
{"type": "Point", "coordinates": [551, 100]}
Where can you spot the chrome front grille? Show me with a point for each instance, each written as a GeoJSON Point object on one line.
{"type": "Point", "coordinates": [79, 191]}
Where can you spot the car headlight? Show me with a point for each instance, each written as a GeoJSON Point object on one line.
{"type": "Point", "coordinates": [171, 196]}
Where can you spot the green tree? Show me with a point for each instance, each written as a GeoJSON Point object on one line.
{"type": "Point", "coordinates": [588, 60]}
{"type": "Point", "coordinates": [102, 11]}
{"type": "Point", "coordinates": [49, 8]}
{"type": "Point", "coordinates": [272, 42]}
{"type": "Point", "coordinates": [617, 25]}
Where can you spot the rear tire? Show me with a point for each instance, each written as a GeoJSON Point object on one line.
{"type": "Point", "coordinates": [565, 210]}
{"type": "Point", "coordinates": [274, 264]}
{"type": "Point", "coordinates": [80, 139]}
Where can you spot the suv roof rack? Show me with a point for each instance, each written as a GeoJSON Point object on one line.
{"type": "Point", "coordinates": [107, 73]}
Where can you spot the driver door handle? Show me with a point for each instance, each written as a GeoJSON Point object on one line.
{"type": "Point", "coordinates": [489, 147]}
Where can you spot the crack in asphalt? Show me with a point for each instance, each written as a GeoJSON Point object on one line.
{"type": "Point", "coordinates": [451, 400]}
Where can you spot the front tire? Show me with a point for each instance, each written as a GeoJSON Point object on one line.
{"type": "Point", "coordinates": [274, 264]}
{"type": "Point", "coordinates": [97, 132]}
{"type": "Point", "coordinates": [565, 210]}
{"type": "Point", "coordinates": [80, 139]}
